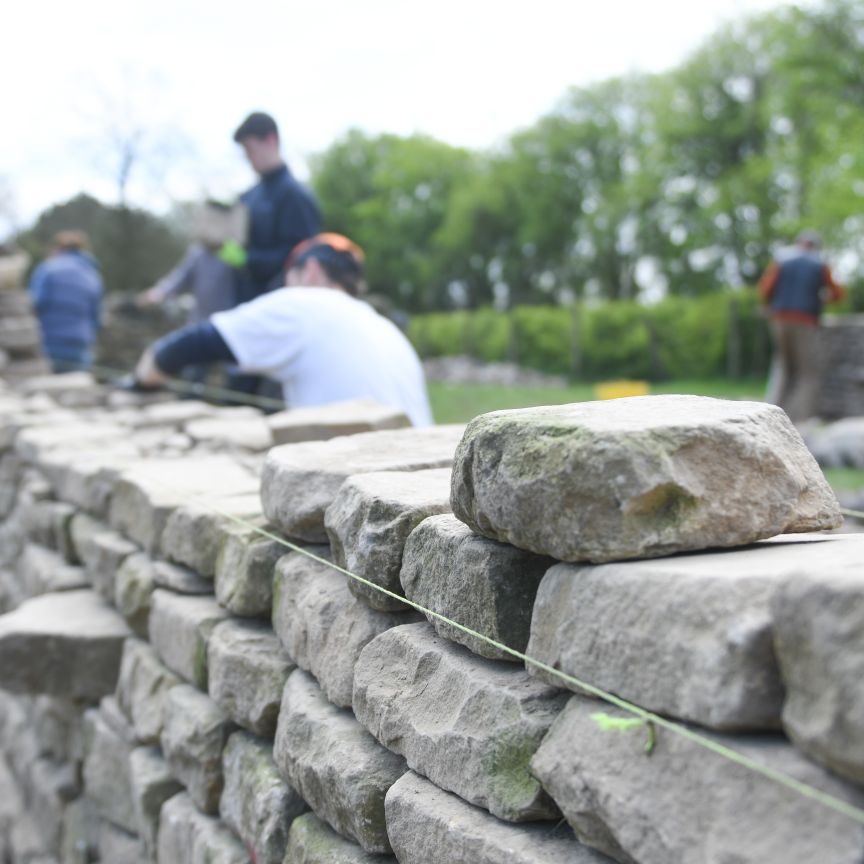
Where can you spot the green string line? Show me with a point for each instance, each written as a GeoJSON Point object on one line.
{"type": "Point", "coordinates": [855, 514]}
{"type": "Point", "coordinates": [804, 789]}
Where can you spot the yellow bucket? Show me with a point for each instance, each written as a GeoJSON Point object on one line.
{"type": "Point", "coordinates": [618, 389]}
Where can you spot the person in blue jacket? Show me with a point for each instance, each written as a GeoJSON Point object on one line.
{"type": "Point", "coordinates": [66, 292]}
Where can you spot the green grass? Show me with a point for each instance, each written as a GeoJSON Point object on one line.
{"type": "Point", "coordinates": [459, 403]}
{"type": "Point", "coordinates": [844, 479]}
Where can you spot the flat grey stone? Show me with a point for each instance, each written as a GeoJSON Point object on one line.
{"type": "Point", "coordinates": [482, 584]}
{"type": "Point", "coordinates": [839, 444]}
{"type": "Point", "coordinates": [152, 785]}
{"type": "Point", "coordinates": [244, 571]}
{"type": "Point", "coordinates": [180, 627]}
{"type": "Point", "coordinates": [47, 523]}
{"type": "Point", "coordinates": [247, 670]}
{"type": "Point", "coordinates": [133, 590]}
{"type": "Point", "coordinates": [819, 643]}
{"type": "Point", "coordinates": [186, 835]}
{"type": "Point", "coordinates": [257, 804]}
{"type": "Point", "coordinates": [370, 520]}
{"type": "Point", "coordinates": [689, 636]}
{"type": "Point", "coordinates": [300, 481]}
{"type": "Point", "coordinates": [107, 778]}
{"type": "Point", "coordinates": [195, 532]}
{"type": "Point", "coordinates": [176, 413]}
{"type": "Point", "coordinates": [322, 422]}
{"type": "Point", "coordinates": [142, 689]}
{"type": "Point", "coordinates": [50, 786]}
{"type": "Point", "coordinates": [65, 644]}
{"type": "Point", "coordinates": [193, 739]}
{"type": "Point", "coordinates": [118, 846]}
{"type": "Point", "coordinates": [66, 432]}
{"type": "Point", "coordinates": [321, 625]}
{"type": "Point", "coordinates": [427, 825]}
{"type": "Point", "coordinates": [101, 550]}
{"type": "Point", "coordinates": [340, 770]}
{"type": "Point", "coordinates": [57, 726]}
{"type": "Point", "coordinates": [149, 491]}
{"type": "Point", "coordinates": [42, 571]}
{"type": "Point", "coordinates": [686, 803]}
{"type": "Point", "coordinates": [311, 841]}
{"type": "Point", "coordinates": [469, 725]}
{"type": "Point", "coordinates": [244, 433]}
{"type": "Point", "coordinates": [180, 580]}
{"type": "Point", "coordinates": [638, 477]}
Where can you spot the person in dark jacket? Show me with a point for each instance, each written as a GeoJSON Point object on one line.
{"type": "Point", "coordinates": [66, 292]}
{"type": "Point", "coordinates": [794, 288]}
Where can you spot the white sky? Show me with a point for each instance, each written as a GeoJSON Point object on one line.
{"type": "Point", "coordinates": [468, 72]}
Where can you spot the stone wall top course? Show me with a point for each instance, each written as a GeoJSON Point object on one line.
{"type": "Point", "coordinates": [322, 422]}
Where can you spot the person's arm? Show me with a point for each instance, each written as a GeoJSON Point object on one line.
{"type": "Point", "coordinates": [165, 358]}
{"type": "Point", "coordinates": [768, 282]}
{"type": "Point", "coordinates": [178, 280]}
{"type": "Point", "coordinates": [835, 291]}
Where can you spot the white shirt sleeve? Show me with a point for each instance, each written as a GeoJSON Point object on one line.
{"type": "Point", "coordinates": [265, 334]}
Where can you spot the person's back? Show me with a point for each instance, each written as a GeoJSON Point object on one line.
{"type": "Point", "coordinates": [66, 291]}
{"type": "Point", "coordinates": [801, 276]}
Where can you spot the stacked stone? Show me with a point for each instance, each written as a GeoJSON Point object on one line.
{"type": "Point", "coordinates": [20, 343]}
{"type": "Point", "coordinates": [842, 390]}
{"type": "Point", "coordinates": [266, 705]}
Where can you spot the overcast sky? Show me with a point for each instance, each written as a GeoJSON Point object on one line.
{"type": "Point", "coordinates": [468, 72]}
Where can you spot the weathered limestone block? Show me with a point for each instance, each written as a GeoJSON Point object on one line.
{"type": "Point", "coordinates": [247, 672]}
{"type": "Point", "coordinates": [66, 644]}
{"type": "Point", "coordinates": [118, 846]}
{"type": "Point", "coordinates": [142, 689]}
{"type": "Point", "coordinates": [57, 726]}
{"type": "Point", "coordinates": [300, 481]}
{"type": "Point", "coordinates": [193, 739]}
{"type": "Point", "coordinates": [101, 551]}
{"type": "Point", "coordinates": [51, 786]}
{"type": "Point", "coordinates": [370, 520]}
{"type": "Point", "coordinates": [638, 477]}
{"type": "Point", "coordinates": [311, 841]}
{"type": "Point", "coordinates": [152, 785]}
{"type": "Point", "coordinates": [149, 491]}
{"type": "Point", "coordinates": [107, 778]}
{"type": "Point", "coordinates": [47, 523]}
{"type": "Point", "coordinates": [480, 583]}
{"type": "Point", "coordinates": [194, 533]}
{"type": "Point", "coordinates": [323, 422]}
{"type": "Point", "coordinates": [176, 413]}
{"type": "Point", "coordinates": [80, 833]}
{"type": "Point", "coordinates": [470, 725]}
{"type": "Point", "coordinates": [339, 769]}
{"type": "Point", "coordinates": [686, 803]}
{"type": "Point", "coordinates": [839, 444]}
{"type": "Point", "coordinates": [249, 433]}
{"type": "Point", "coordinates": [133, 590]}
{"type": "Point", "coordinates": [321, 626]}
{"type": "Point", "coordinates": [257, 804]}
{"type": "Point", "coordinates": [42, 571]}
{"type": "Point", "coordinates": [819, 643]}
{"type": "Point", "coordinates": [186, 835]}
{"type": "Point", "coordinates": [689, 636]}
{"type": "Point", "coordinates": [67, 432]}
{"type": "Point", "coordinates": [180, 628]}
{"type": "Point", "coordinates": [427, 825]}
{"type": "Point", "coordinates": [244, 571]}
{"type": "Point", "coordinates": [180, 580]}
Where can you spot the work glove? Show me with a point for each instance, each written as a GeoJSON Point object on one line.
{"type": "Point", "coordinates": [232, 253]}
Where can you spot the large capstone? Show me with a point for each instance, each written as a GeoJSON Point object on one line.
{"type": "Point", "coordinates": [638, 477]}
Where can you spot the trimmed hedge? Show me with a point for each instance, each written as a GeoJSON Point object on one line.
{"type": "Point", "coordinates": [718, 335]}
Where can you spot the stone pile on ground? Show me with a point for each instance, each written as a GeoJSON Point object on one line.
{"type": "Point", "coordinates": [189, 675]}
{"type": "Point", "coordinates": [20, 340]}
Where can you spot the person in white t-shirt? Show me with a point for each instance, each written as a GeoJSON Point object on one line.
{"type": "Point", "coordinates": [315, 336]}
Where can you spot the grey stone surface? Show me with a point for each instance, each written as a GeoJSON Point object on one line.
{"type": "Point", "coordinates": [482, 584]}
{"type": "Point", "coordinates": [323, 422]}
{"type": "Point", "coordinates": [468, 724]}
{"type": "Point", "coordinates": [186, 835]}
{"type": "Point", "coordinates": [244, 433]}
{"type": "Point", "coordinates": [64, 432]}
{"type": "Point", "coordinates": [193, 739]}
{"type": "Point", "coordinates": [152, 785]}
{"type": "Point", "coordinates": [819, 643]}
{"type": "Point", "coordinates": [47, 523]}
{"type": "Point", "coordinates": [321, 625]}
{"type": "Point", "coordinates": [146, 493]}
{"type": "Point", "coordinates": [180, 628]}
{"type": "Point", "coordinates": [257, 804]}
{"type": "Point", "coordinates": [638, 477]}
{"type": "Point", "coordinates": [101, 551]}
{"type": "Point", "coordinates": [244, 571]}
{"type": "Point", "coordinates": [340, 770]}
{"type": "Point", "coordinates": [42, 571]}
{"type": "Point", "coordinates": [57, 726]}
{"type": "Point", "coordinates": [686, 803]}
{"type": "Point", "coordinates": [133, 590]}
{"type": "Point", "coordinates": [312, 841]}
{"type": "Point", "coordinates": [370, 520]}
{"type": "Point", "coordinates": [142, 688]}
{"type": "Point", "coordinates": [838, 445]}
{"type": "Point", "coordinates": [106, 773]}
{"type": "Point", "coordinates": [194, 533]}
{"type": "Point", "coordinates": [300, 481]}
{"type": "Point", "coordinates": [247, 673]}
{"type": "Point", "coordinates": [50, 787]}
{"type": "Point", "coordinates": [427, 825]}
{"type": "Point", "coordinates": [689, 636]}
{"type": "Point", "coordinates": [65, 644]}
{"type": "Point", "coordinates": [180, 580]}
{"type": "Point", "coordinates": [118, 846]}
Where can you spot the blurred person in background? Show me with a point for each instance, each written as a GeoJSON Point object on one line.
{"type": "Point", "coordinates": [794, 288]}
{"type": "Point", "coordinates": [66, 291]}
{"type": "Point", "coordinates": [316, 337]}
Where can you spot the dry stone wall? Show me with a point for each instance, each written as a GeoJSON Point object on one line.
{"type": "Point", "coordinates": [177, 686]}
